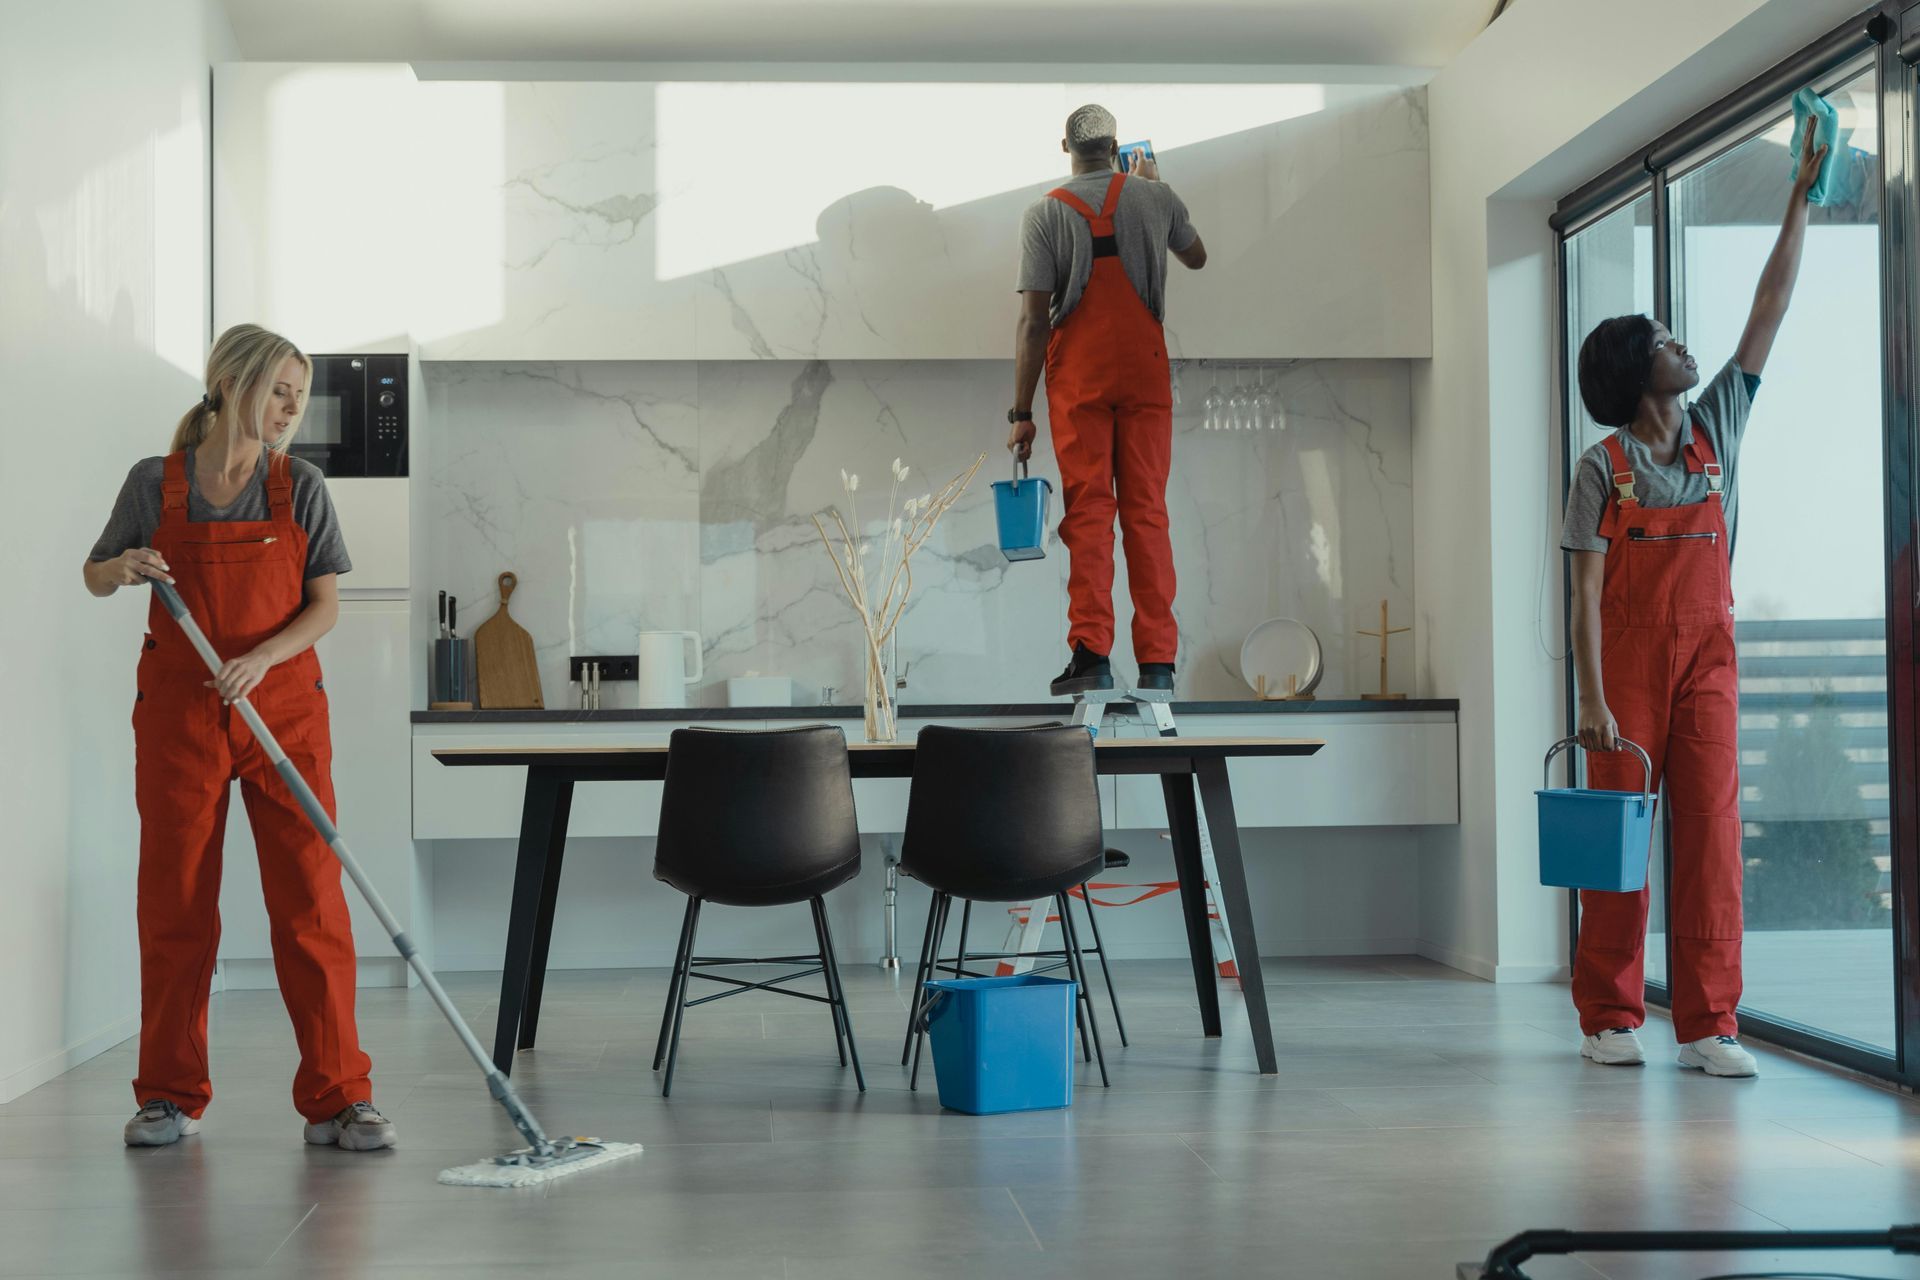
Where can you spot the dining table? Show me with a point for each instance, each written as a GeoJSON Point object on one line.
{"type": "Point", "coordinates": [1194, 777]}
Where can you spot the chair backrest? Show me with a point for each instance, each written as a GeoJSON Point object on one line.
{"type": "Point", "coordinates": [1002, 814]}
{"type": "Point", "coordinates": [752, 810]}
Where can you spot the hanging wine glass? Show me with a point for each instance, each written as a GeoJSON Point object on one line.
{"type": "Point", "coordinates": [1258, 404]}
{"type": "Point", "coordinates": [1213, 407]}
{"type": "Point", "coordinates": [1173, 375]}
{"type": "Point", "coordinates": [1240, 404]}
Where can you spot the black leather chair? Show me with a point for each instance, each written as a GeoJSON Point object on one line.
{"type": "Point", "coordinates": [756, 819]}
{"type": "Point", "coordinates": [1001, 815]}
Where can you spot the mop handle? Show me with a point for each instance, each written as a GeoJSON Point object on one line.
{"type": "Point", "coordinates": [500, 1086]}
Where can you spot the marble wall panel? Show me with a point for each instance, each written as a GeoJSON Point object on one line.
{"type": "Point", "coordinates": [780, 221]}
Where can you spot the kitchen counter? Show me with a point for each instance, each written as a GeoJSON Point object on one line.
{"type": "Point", "coordinates": [909, 711]}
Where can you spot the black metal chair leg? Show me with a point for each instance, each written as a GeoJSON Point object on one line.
{"type": "Point", "coordinates": [960, 956]}
{"type": "Point", "coordinates": [920, 1001]}
{"type": "Point", "coordinates": [675, 980]}
{"type": "Point", "coordinates": [680, 1007]}
{"type": "Point", "coordinates": [1106, 973]}
{"type": "Point", "coordinates": [826, 976]}
{"type": "Point", "coordinates": [840, 994]}
{"type": "Point", "coordinates": [920, 977]}
{"type": "Point", "coordinates": [1071, 936]}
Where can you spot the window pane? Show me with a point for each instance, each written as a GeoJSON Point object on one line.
{"type": "Point", "coordinates": [1809, 575]}
{"type": "Point", "coordinates": [1609, 269]}
{"type": "Point", "coordinates": [1609, 273]}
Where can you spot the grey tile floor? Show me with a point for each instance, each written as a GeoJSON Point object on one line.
{"type": "Point", "coordinates": [1420, 1117]}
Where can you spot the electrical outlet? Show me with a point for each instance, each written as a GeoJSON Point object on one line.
{"type": "Point", "coordinates": [613, 666]}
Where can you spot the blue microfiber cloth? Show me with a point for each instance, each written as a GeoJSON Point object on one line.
{"type": "Point", "coordinates": [1834, 186]}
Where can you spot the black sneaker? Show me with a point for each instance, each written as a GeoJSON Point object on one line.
{"type": "Point", "coordinates": [1156, 677]}
{"type": "Point", "coordinates": [1086, 673]}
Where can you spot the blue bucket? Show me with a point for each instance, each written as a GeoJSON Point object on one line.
{"type": "Point", "coordinates": [1003, 1044]}
{"type": "Point", "coordinates": [1596, 839]}
{"type": "Point", "coordinates": [1020, 506]}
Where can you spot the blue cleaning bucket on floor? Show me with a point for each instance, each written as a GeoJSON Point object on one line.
{"type": "Point", "coordinates": [1003, 1044]}
{"type": "Point", "coordinates": [1020, 506]}
{"type": "Point", "coordinates": [1595, 839]}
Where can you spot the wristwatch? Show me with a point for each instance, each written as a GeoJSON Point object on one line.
{"type": "Point", "coordinates": [1019, 415]}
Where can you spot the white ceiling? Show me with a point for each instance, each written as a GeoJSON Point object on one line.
{"type": "Point", "coordinates": [1406, 33]}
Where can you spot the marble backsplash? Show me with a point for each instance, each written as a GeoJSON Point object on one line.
{"type": "Point", "coordinates": [666, 495]}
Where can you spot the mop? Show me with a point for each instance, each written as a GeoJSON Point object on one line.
{"type": "Point", "coordinates": [543, 1159]}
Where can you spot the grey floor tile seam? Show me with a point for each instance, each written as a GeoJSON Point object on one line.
{"type": "Point", "coordinates": [311, 1210]}
{"type": "Point", "coordinates": [1017, 1208]}
{"type": "Point", "coordinates": [1788, 1125]}
{"type": "Point", "coordinates": [1197, 1156]}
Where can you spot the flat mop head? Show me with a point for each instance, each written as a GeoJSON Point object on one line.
{"type": "Point", "coordinates": [528, 1167]}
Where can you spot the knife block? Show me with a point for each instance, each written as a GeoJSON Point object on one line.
{"type": "Point", "coordinates": [452, 686]}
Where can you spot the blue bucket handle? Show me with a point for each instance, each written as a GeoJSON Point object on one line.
{"type": "Point", "coordinates": [1646, 765]}
{"type": "Point", "coordinates": [1019, 471]}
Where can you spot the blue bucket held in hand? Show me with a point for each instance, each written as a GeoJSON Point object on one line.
{"type": "Point", "coordinates": [1020, 506]}
{"type": "Point", "coordinates": [1003, 1044]}
{"type": "Point", "coordinates": [1595, 839]}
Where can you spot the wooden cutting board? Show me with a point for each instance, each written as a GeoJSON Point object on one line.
{"type": "Point", "coordinates": [503, 659]}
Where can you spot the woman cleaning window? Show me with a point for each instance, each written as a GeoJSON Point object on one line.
{"type": "Point", "coordinates": [1649, 523]}
{"type": "Point", "coordinates": [253, 537]}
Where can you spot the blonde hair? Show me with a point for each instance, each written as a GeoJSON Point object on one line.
{"type": "Point", "coordinates": [246, 357]}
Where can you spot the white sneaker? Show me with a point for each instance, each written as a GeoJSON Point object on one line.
{"type": "Point", "coordinates": [359, 1127]}
{"type": "Point", "coordinates": [159, 1124]}
{"type": "Point", "coordinates": [1719, 1056]}
{"type": "Point", "coordinates": [1615, 1047]}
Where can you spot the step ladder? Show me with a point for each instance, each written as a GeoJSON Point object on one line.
{"type": "Point", "coordinates": [1150, 709]}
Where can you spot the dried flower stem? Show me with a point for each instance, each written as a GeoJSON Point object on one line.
{"type": "Point", "coordinates": [904, 534]}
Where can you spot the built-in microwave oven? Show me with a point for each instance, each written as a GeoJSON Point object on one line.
{"type": "Point", "coordinates": [356, 418]}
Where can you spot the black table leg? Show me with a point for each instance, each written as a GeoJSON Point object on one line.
{"type": "Point", "coordinates": [542, 825]}
{"type": "Point", "coordinates": [1216, 793]}
{"type": "Point", "coordinates": [543, 925]}
{"type": "Point", "coordinates": [1183, 825]}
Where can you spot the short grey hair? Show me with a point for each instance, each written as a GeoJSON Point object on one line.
{"type": "Point", "coordinates": [1091, 132]}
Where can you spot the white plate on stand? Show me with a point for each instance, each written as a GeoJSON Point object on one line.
{"type": "Point", "coordinates": [1278, 648]}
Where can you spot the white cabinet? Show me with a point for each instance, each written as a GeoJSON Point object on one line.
{"type": "Point", "coordinates": [365, 661]}
{"type": "Point", "coordinates": [1377, 769]}
{"type": "Point", "coordinates": [315, 229]}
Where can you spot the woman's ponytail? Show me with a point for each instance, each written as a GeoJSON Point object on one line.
{"type": "Point", "coordinates": [195, 423]}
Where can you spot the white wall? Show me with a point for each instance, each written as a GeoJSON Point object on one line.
{"type": "Point", "coordinates": [103, 327]}
{"type": "Point", "coordinates": [1517, 120]}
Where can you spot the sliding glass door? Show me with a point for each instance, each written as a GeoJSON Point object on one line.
{"type": "Point", "coordinates": [1809, 571]}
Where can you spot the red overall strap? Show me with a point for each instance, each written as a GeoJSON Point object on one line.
{"type": "Point", "coordinates": [1101, 223]}
{"type": "Point", "coordinates": [1701, 460]}
{"type": "Point", "coordinates": [173, 488]}
{"type": "Point", "coordinates": [1623, 493]}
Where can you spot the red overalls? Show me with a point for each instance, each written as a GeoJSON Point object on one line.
{"type": "Point", "coordinates": [1110, 406]}
{"type": "Point", "coordinates": [244, 581]}
{"type": "Point", "coordinates": [1671, 680]}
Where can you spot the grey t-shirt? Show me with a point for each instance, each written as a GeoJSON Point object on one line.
{"type": "Point", "coordinates": [1721, 412]}
{"type": "Point", "coordinates": [1056, 248]}
{"type": "Point", "coordinates": [136, 512]}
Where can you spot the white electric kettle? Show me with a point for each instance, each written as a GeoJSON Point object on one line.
{"type": "Point", "coordinates": [663, 667]}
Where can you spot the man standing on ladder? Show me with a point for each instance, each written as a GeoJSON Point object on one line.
{"type": "Point", "coordinates": [1092, 284]}
{"type": "Point", "coordinates": [1093, 272]}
